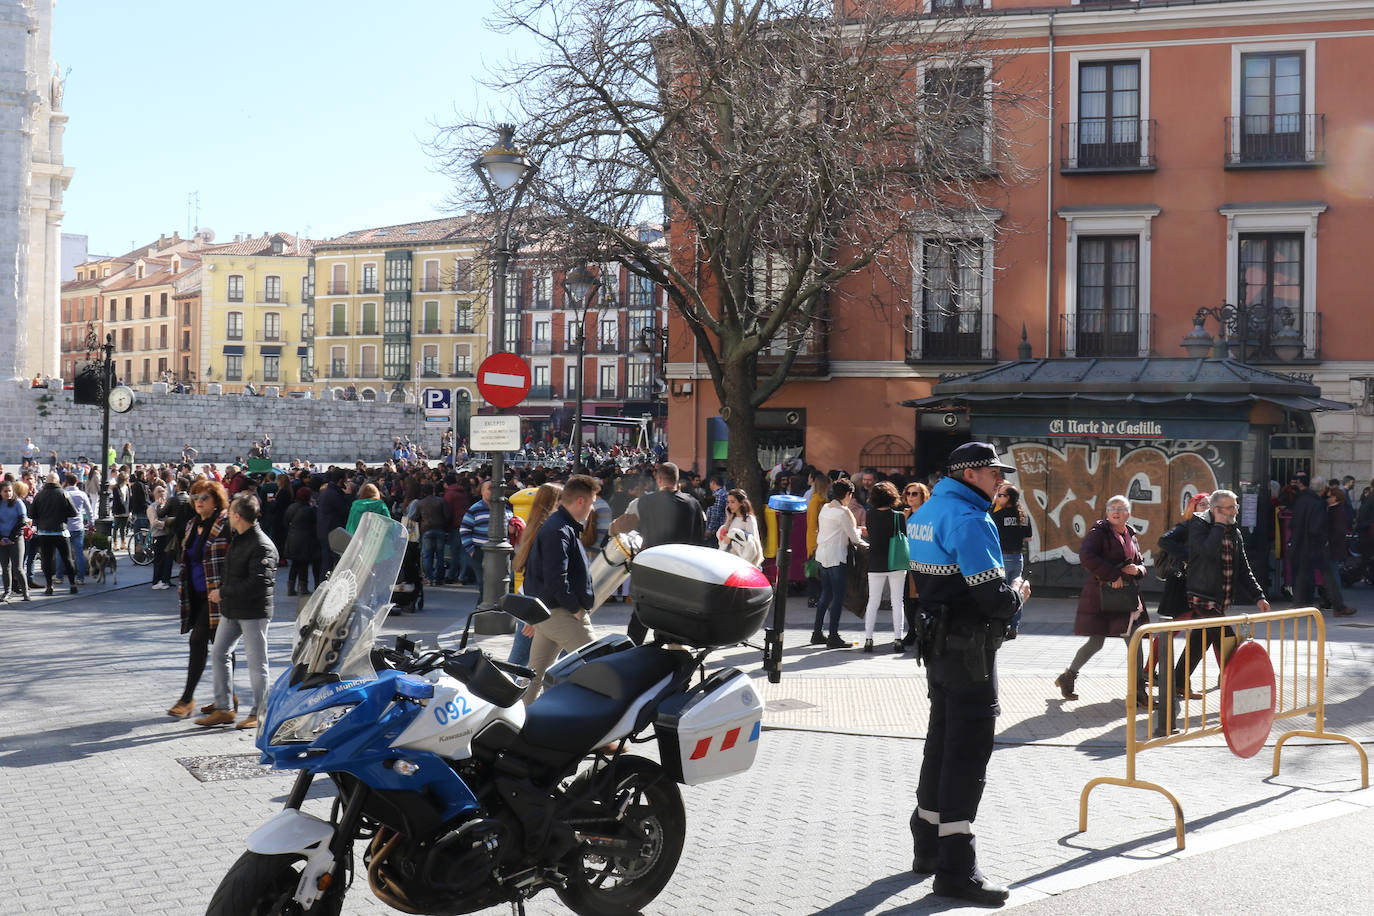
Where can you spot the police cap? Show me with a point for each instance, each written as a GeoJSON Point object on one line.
{"type": "Point", "coordinates": [976, 455]}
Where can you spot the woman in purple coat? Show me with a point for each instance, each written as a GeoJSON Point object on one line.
{"type": "Point", "coordinates": [1110, 556]}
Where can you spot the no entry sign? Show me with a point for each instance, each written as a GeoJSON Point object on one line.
{"type": "Point", "coordinates": [503, 379]}
{"type": "Point", "coordinates": [1247, 699]}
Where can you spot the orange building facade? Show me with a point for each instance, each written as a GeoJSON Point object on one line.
{"type": "Point", "coordinates": [1182, 155]}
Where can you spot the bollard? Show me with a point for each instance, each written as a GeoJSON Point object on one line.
{"type": "Point", "coordinates": [787, 507]}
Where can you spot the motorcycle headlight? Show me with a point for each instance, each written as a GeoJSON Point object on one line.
{"type": "Point", "coordinates": [305, 729]}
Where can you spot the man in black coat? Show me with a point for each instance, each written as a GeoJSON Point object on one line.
{"type": "Point", "coordinates": [331, 511]}
{"type": "Point", "coordinates": [1311, 547]}
{"type": "Point", "coordinates": [667, 516]}
{"type": "Point", "coordinates": [245, 608]}
{"type": "Point", "coordinates": [558, 574]}
{"type": "Point", "coordinates": [50, 511]}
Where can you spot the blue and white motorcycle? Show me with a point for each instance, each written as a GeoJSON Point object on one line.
{"type": "Point", "coordinates": [463, 798]}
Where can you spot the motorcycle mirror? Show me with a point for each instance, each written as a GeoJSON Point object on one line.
{"type": "Point", "coordinates": [524, 607]}
{"type": "Point", "coordinates": [339, 539]}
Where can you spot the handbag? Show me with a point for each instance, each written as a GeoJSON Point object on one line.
{"type": "Point", "coordinates": [898, 550]}
{"type": "Point", "coordinates": [1123, 600]}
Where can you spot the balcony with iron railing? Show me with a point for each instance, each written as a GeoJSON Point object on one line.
{"type": "Point", "coordinates": [1281, 141]}
{"type": "Point", "coordinates": [367, 327]}
{"type": "Point", "coordinates": [541, 392]}
{"type": "Point", "coordinates": [338, 369]}
{"type": "Point", "coordinates": [541, 347]}
{"type": "Point", "coordinates": [338, 288]}
{"type": "Point", "coordinates": [612, 343]}
{"type": "Point", "coordinates": [565, 346]}
{"type": "Point", "coordinates": [429, 285]}
{"type": "Point", "coordinates": [461, 369]}
{"type": "Point", "coordinates": [272, 337]}
{"type": "Point", "coordinates": [642, 298]}
{"type": "Point", "coordinates": [429, 327]}
{"type": "Point", "coordinates": [429, 369]}
{"type": "Point", "coordinates": [367, 370]}
{"type": "Point", "coordinates": [461, 326]}
{"type": "Point", "coordinates": [614, 392]}
{"type": "Point", "coordinates": [233, 333]}
{"type": "Point", "coordinates": [1265, 331]}
{"type": "Point", "coordinates": [332, 329]}
{"type": "Point", "coordinates": [1106, 333]}
{"type": "Point", "coordinates": [368, 288]}
{"type": "Point", "coordinates": [963, 337]}
{"type": "Point", "coordinates": [639, 393]}
{"type": "Point", "coordinates": [273, 297]}
{"type": "Point", "coordinates": [1101, 145]}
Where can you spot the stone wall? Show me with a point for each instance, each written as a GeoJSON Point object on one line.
{"type": "Point", "coordinates": [221, 427]}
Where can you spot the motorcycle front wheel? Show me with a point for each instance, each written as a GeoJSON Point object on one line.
{"type": "Point", "coordinates": [259, 885]}
{"type": "Point", "coordinates": [620, 882]}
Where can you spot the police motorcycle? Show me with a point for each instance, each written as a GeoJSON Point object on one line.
{"type": "Point", "coordinates": [458, 795]}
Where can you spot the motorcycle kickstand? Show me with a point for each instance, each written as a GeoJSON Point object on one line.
{"type": "Point", "coordinates": [517, 908]}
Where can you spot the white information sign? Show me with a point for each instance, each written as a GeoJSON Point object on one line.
{"type": "Point", "coordinates": [494, 434]}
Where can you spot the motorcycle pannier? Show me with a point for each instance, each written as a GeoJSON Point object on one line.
{"type": "Point", "coordinates": [712, 731]}
{"type": "Point", "coordinates": [699, 596]}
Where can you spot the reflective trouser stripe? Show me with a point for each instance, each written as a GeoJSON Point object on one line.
{"type": "Point", "coordinates": [930, 817]}
{"type": "Point", "coordinates": [954, 828]}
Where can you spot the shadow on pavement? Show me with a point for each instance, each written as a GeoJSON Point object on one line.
{"type": "Point", "coordinates": [77, 742]}
{"type": "Point", "coordinates": [873, 898]}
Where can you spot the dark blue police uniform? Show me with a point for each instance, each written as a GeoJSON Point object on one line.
{"type": "Point", "coordinates": [956, 560]}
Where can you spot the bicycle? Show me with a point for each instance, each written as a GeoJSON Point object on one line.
{"type": "Point", "coordinates": [141, 547]}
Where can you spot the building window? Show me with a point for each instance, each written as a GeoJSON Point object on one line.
{"type": "Point", "coordinates": [186, 313]}
{"type": "Point", "coordinates": [572, 333]}
{"type": "Point", "coordinates": [1111, 291]}
{"type": "Point", "coordinates": [114, 306]}
{"type": "Point", "coordinates": [271, 326]}
{"type": "Point", "coordinates": [396, 318]}
{"type": "Point", "coordinates": [430, 319]}
{"type": "Point", "coordinates": [541, 386]}
{"type": "Point", "coordinates": [609, 294]}
{"type": "Point", "coordinates": [541, 340]}
{"type": "Point", "coordinates": [643, 293]}
{"type": "Point", "coordinates": [338, 324]}
{"type": "Point", "coordinates": [305, 289]}
{"type": "Point", "coordinates": [639, 381]}
{"type": "Point", "coordinates": [338, 363]}
{"type": "Point", "coordinates": [462, 317]}
{"type": "Point", "coordinates": [235, 287]}
{"type": "Point", "coordinates": [234, 327]}
{"type": "Point", "coordinates": [126, 341]}
{"type": "Point", "coordinates": [608, 380]}
{"type": "Point", "coordinates": [954, 6]}
{"type": "Point", "coordinates": [951, 325]}
{"type": "Point", "coordinates": [271, 289]}
{"type": "Point", "coordinates": [462, 360]}
{"type": "Point", "coordinates": [369, 284]}
{"type": "Point", "coordinates": [185, 340]}
{"type": "Point", "coordinates": [338, 279]}
{"type": "Point", "coordinates": [571, 373]}
{"type": "Point", "coordinates": [1108, 296]}
{"type": "Point", "coordinates": [430, 283]}
{"type": "Point", "coordinates": [1271, 107]}
{"type": "Point", "coordinates": [1109, 125]}
{"type": "Point", "coordinates": [543, 289]}
{"type": "Point", "coordinates": [396, 361]}
{"type": "Point", "coordinates": [271, 368]}
{"type": "Point", "coordinates": [233, 368]}
{"type": "Point", "coordinates": [510, 335]}
{"type": "Point", "coordinates": [462, 274]}
{"type": "Point", "coordinates": [369, 325]}
{"type": "Point", "coordinates": [608, 334]}
{"type": "Point", "coordinates": [162, 305]}
{"type": "Point", "coordinates": [162, 337]}
{"type": "Point", "coordinates": [303, 371]}
{"type": "Point", "coordinates": [147, 376]}
{"type": "Point", "coordinates": [367, 366]}
{"type": "Point", "coordinates": [956, 116]}
{"type": "Point", "coordinates": [429, 361]}
{"type": "Point", "coordinates": [305, 326]}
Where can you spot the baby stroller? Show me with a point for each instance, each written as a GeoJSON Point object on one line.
{"type": "Point", "coordinates": [409, 592]}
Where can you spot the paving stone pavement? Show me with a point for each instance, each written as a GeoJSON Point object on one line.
{"type": "Point", "coordinates": [99, 816]}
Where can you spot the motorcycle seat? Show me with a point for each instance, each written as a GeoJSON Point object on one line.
{"type": "Point", "coordinates": [574, 715]}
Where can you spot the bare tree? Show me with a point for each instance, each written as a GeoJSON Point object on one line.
{"type": "Point", "coordinates": [788, 147]}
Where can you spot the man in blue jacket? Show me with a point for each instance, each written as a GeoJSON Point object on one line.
{"type": "Point", "coordinates": [556, 572]}
{"type": "Point", "coordinates": [956, 559]}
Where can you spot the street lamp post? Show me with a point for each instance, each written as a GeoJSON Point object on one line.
{"type": "Point", "coordinates": [502, 169]}
{"type": "Point", "coordinates": [1239, 323]}
{"type": "Point", "coordinates": [582, 286]}
{"type": "Point", "coordinates": [654, 341]}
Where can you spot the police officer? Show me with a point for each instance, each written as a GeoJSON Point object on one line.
{"type": "Point", "coordinates": [965, 607]}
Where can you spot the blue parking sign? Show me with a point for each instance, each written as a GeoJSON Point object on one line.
{"type": "Point", "coordinates": [437, 398]}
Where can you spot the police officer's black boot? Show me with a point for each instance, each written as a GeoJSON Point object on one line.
{"type": "Point", "coordinates": [925, 838]}
{"type": "Point", "coordinates": [957, 874]}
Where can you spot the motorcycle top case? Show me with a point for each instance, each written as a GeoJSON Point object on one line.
{"type": "Point", "coordinates": [712, 730]}
{"type": "Point", "coordinates": [699, 596]}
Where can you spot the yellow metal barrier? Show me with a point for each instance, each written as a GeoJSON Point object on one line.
{"type": "Point", "coordinates": [1300, 688]}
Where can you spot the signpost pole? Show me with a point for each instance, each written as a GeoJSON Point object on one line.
{"type": "Point", "coordinates": [497, 552]}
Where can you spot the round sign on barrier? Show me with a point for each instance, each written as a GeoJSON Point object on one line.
{"type": "Point", "coordinates": [1247, 699]}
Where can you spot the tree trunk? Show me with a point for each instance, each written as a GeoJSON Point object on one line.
{"type": "Point", "coordinates": [743, 463]}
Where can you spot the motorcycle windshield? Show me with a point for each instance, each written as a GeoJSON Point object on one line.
{"type": "Point", "coordinates": [337, 627]}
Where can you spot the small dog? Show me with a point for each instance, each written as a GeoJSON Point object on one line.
{"type": "Point", "coordinates": [101, 562]}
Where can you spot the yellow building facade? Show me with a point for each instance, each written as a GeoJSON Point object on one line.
{"type": "Point", "coordinates": [254, 321]}
{"type": "Point", "coordinates": [398, 307]}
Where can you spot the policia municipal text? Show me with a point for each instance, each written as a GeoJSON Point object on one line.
{"type": "Point", "coordinates": [965, 608]}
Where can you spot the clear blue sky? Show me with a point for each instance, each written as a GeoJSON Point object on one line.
{"type": "Point", "coordinates": [304, 116]}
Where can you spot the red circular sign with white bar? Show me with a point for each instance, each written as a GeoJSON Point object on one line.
{"type": "Point", "coordinates": [1247, 699]}
{"type": "Point", "coordinates": [503, 379]}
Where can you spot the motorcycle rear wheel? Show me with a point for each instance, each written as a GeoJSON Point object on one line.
{"type": "Point", "coordinates": [259, 885]}
{"type": "Point", "coordinates": [621, 885]}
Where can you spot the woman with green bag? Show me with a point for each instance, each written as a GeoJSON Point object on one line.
{"type": "Point", "coordinates": [887, 561]}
